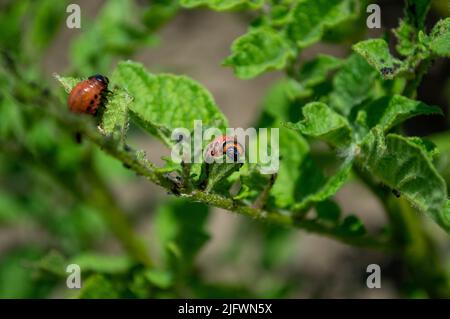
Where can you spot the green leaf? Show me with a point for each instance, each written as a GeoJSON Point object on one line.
{"type": "Point", "coordinates": [404, 165]}
{"type": "Point", "coordinates": [159, 12]}
{"type": "Point", "coordinates": [48, 16]}
{"type": "Point", "coordinates": [376, 52]}
{"type": "Point", "coordinates": [328, 188]}
{"type": "Point", "coordinates": [415, 12]}
{"type": "Point", "coordinates": [351, 30]}
{"type": "Point", "coordinates": [159, 278]}
{"type": "Point", "coordinates": [389, 111]}
{"type": "Point", "coordinates": [116, 31]}
{"type": "Point", "coordinates": [13, 121]}
{"type": "Point", "coordinates": [446, 215]}
{"type": "Point", "coordinates": [115, 117]}
{"type": "Point", "coordinates": [429, 147]}
{"type": "Point", "coordinates": [411, 25]}
{"type": "Point", "coordinates": [107, 264]}
{"type": "Point", "coordinates": [440, 38]}
{"type": "Point", "coordinates": [98, 287]}
{"type": "Point", "coordinates": [11, 24]}
{"type": "Point", "coordinates": [219, 172]}
{"type": "Point", "coordinates": [406, 37]}
{"type": "Point", "coordinates": [222, 5]}
{"type": "Point", "coordinates": [11, 209]}
{"type": "Point", "coordinates": [252, 182]}
{"type": "Point", "coordinates": [139, 286]}
{"type": "Point", "coordinates": [328, 211]}
{"type": "Point", "coordinates": [310, 18]}
{"type": "Point", "coordinates": [258, 51]}
{"type": "Point", "coordinates": [293, 150]}
{"type": "Point", "coordinates": [300, 183]}
{"type": "Point", "coordinates": [312, 81]}
{"type": "Point", "coordinates": [53, 263]}
{"type": "Point", "coordinates": [277, 103]}
{"type": "Point", "coordinates": [164, 102]}
{"type": "Point", "coordinates": [280, 13]}
{"type": "Point", "coordinates": [352, 84]}
{"type": "Point", "coordinates": [180, 228]}
{"type": "Point", "coordinates": [17, 280]}
{"type": "Point", "coordinates": [67, 82]}
{"type": "Point", "coordinates": [322, 122]}
{"type": "Point", "coordinates": [316, 71]}
{"type": "Point", "coordinates": [42, 137]}
{"type": "Point", "coordinates": [352, 226]}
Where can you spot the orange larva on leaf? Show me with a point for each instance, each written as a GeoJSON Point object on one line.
{"type": "Point", "coordinates": [88, 95]}
{"type": "Point", "coordinates": [225, 145]}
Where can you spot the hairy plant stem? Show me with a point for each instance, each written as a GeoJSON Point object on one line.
{"type": "Point", "coordinates": [150, 172]}
{"type": "Point", "coordinates": [414, 82]}
{"type": "Point", "coordinates": [261, 200]}
{"type": "Point", "coordinates": [85, 125]}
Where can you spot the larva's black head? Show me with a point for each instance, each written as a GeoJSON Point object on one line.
{"type": "Point", "coordinates": [100, 78]}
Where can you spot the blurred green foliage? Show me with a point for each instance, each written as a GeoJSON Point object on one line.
{"type": "Point", "coordinates": [63, 193]}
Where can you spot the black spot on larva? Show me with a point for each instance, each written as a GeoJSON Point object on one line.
{"type": "Point", "coordinates": [89, 109]}
{"type": "Point", "coordinates": [95, 96]}
{"type": "Point", "coordinates": [91, 102]}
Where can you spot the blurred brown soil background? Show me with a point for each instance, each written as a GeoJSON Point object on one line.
{"type": "Point", "coordinates": [195, 43]}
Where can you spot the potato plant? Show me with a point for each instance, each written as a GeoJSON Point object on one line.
{"type": "Point", "coordinates": [340, 120]}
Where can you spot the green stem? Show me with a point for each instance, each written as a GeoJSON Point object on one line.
{"type": "Point", "coordinates": [413, 83]}
{"type": "Point", "coordinates": [277, 218]}
{"type": "Point", "coordinates": [150, 172]}
{"type": "Point", "coordinates": [142, 167]}
{"type": "Point", "coordinates": [260, 202]}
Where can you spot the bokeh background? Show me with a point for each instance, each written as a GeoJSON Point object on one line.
{"type": "Point", "coordinates": [43, 223]}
